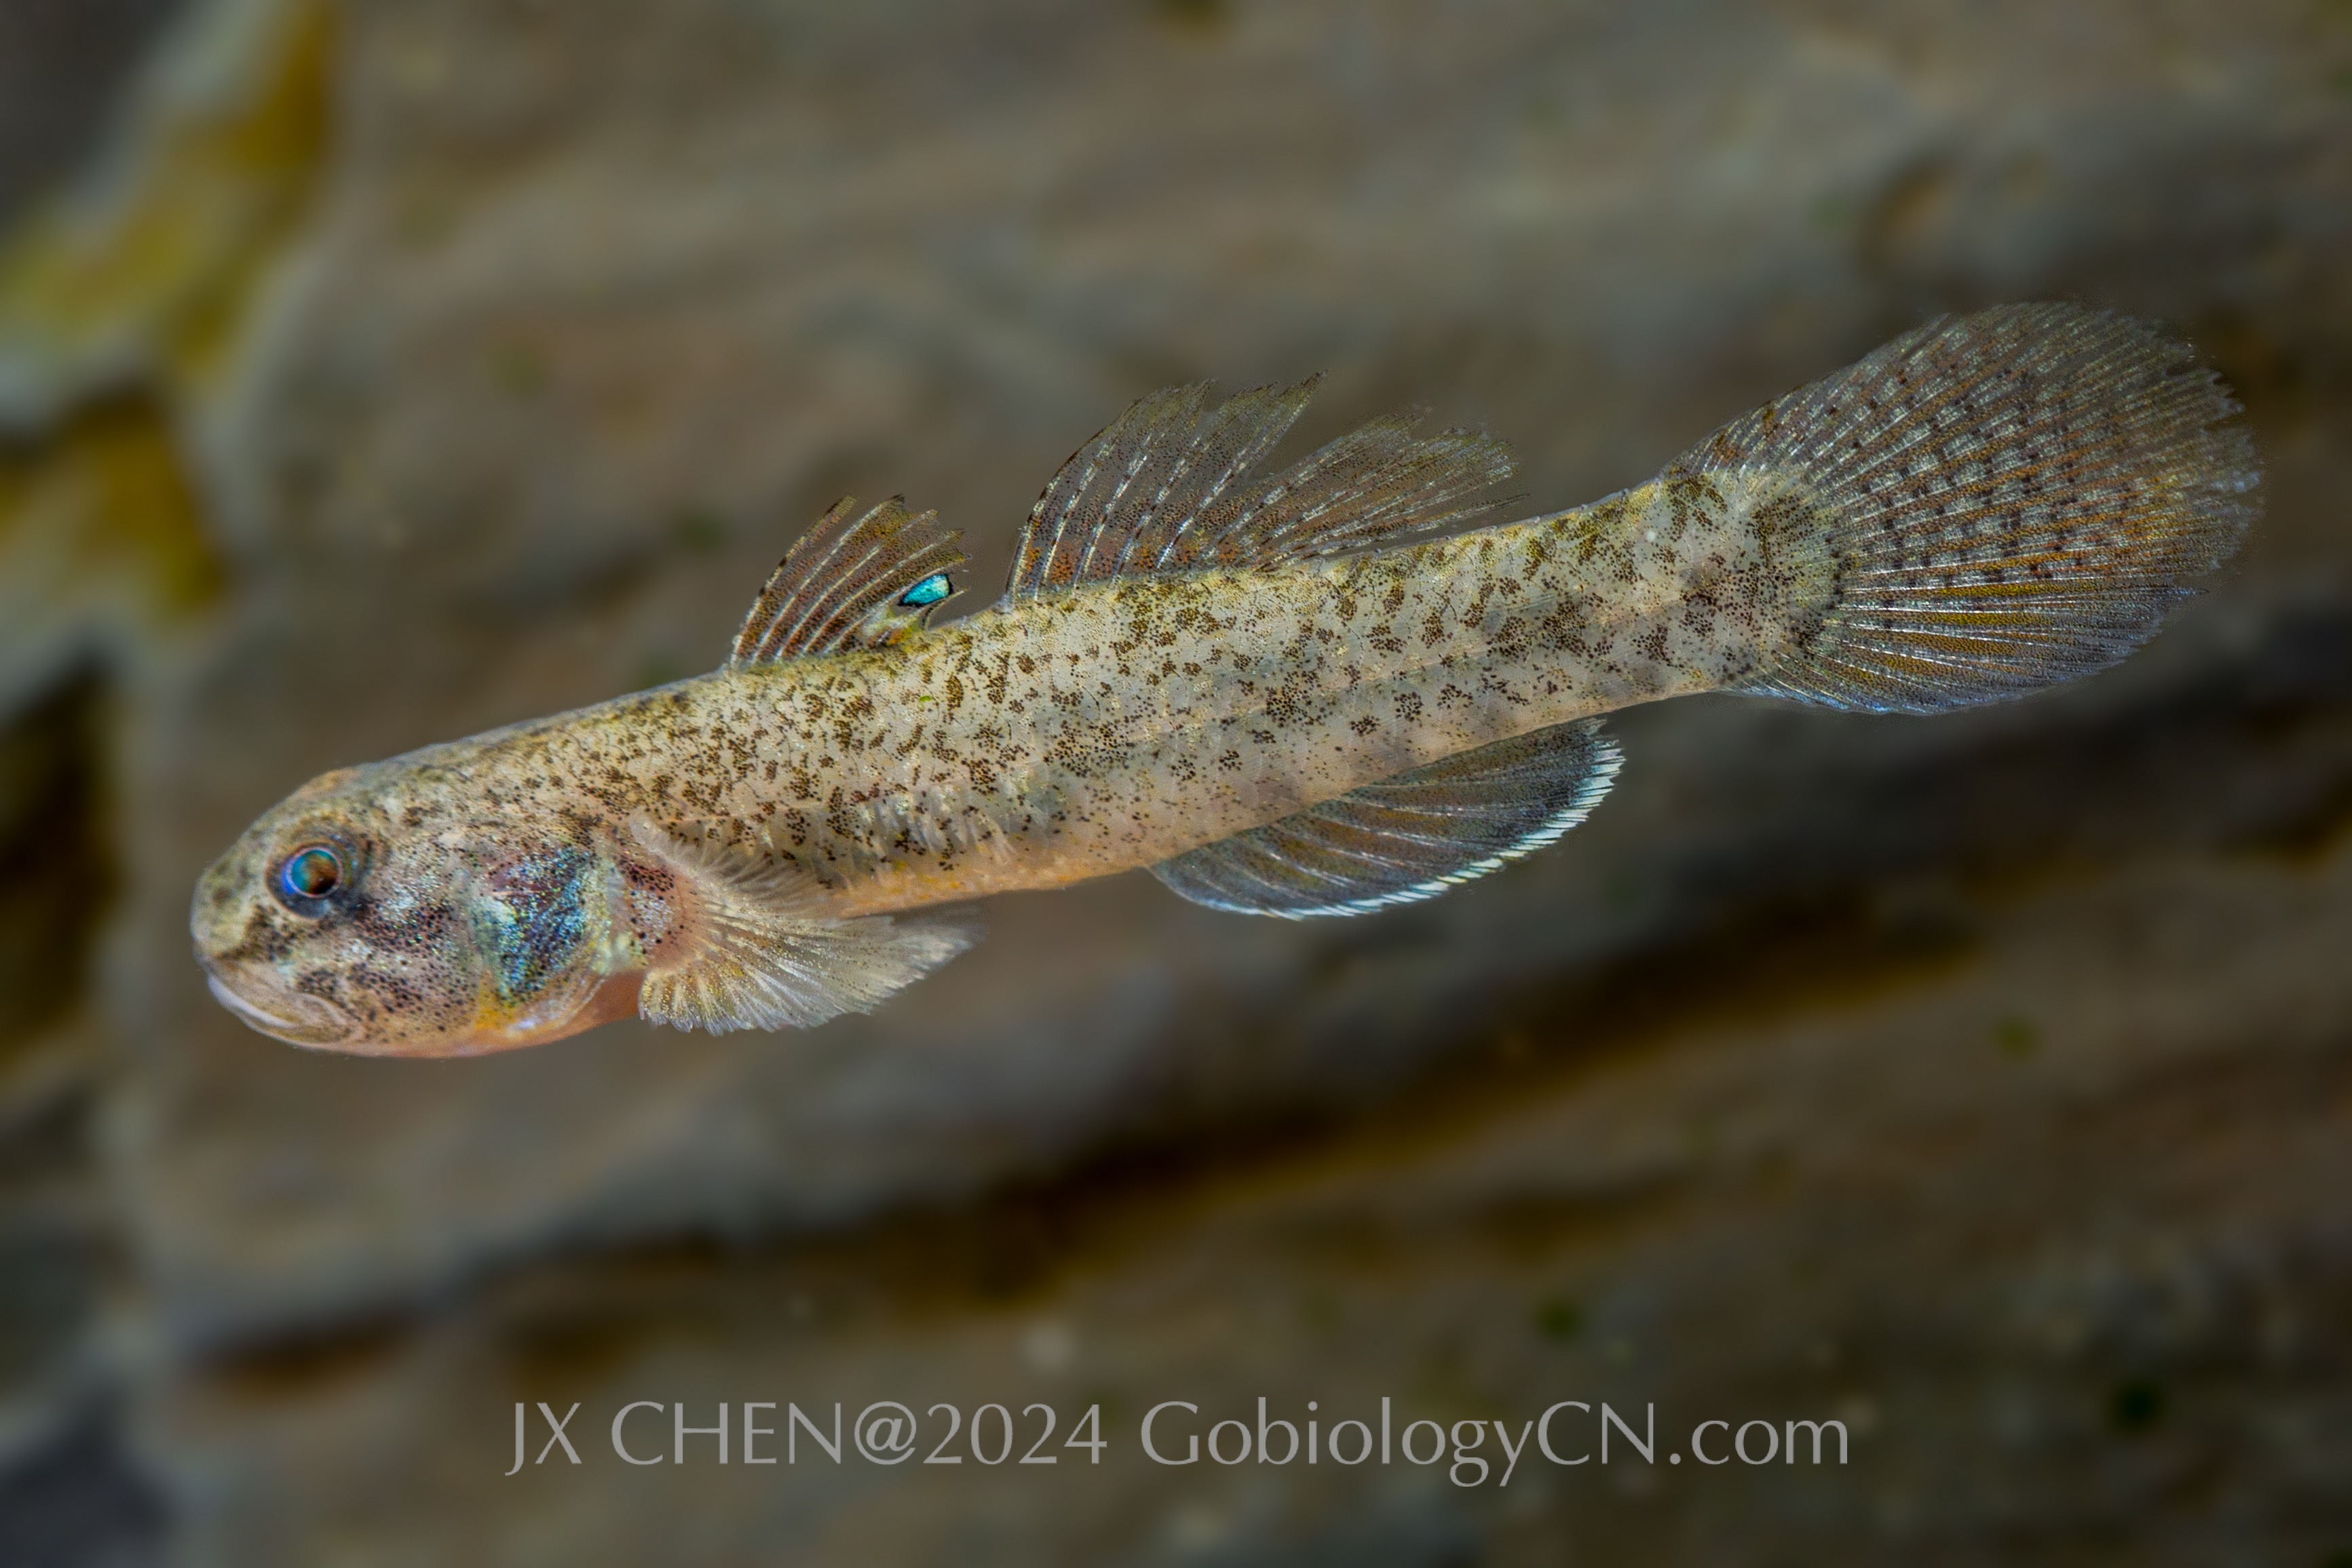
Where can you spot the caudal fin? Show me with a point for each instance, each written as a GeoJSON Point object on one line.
{"type": "Point", "coordinates": [2012, 500]}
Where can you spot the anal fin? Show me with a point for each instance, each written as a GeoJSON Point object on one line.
{"type": "Point", "coordinates": [1410, 837]}
{"type": "Point", "coordinates": [748, 945]}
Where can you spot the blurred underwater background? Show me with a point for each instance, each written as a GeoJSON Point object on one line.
{"type": "Point", "coordinates": [374, 373]}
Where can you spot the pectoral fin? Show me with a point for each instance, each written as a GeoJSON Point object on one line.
{"type": "Point", "coordinates": [749, 946]}
{"type": "Point", "coordinates": [1407, 838]}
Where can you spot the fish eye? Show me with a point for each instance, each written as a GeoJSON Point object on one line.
{"type": "Point", "coordinates": [930, 591]}
{"type": "Point", "coordinates": [310, 876]}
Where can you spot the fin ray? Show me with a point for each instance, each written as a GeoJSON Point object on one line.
{"type": "Point", "coordinates": [2012, 499]}
{"type": "Point", "coordinates": [1167, 487]}
{"type": "Point", "coordinates": [1410, 837]}
{"type": "Point", "coordinates": [755, 951]}
{"type": "Point", "coordinates": [847, 584]}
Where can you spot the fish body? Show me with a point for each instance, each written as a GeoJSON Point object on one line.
{"type": "Point", "coordinates": [1118, 725]}
{"type": "Point", "coordinates": [1300, 697]}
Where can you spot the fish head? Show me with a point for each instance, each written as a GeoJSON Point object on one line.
{"type": "Point", "coordinates": [377, 911]}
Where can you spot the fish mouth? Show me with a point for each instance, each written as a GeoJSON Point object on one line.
{"type": "Point", "coordinates": [309, 1021]}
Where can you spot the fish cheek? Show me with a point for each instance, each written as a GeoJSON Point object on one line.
{"type": "Point", "coordinates": [410, 977]}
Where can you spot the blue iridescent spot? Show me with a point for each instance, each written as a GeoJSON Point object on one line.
{"type": "Point", "coordinates": [541, 919]}
{"type": "Point", "coordinates": [930, 591]}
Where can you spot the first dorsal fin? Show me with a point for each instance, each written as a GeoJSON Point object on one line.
{"type": "Point", "coordinates": [1410, 837]}
{"type": "Point", "coordinates": [852, 581]}
{"type": "Point", "coordinates": [1167, 487]}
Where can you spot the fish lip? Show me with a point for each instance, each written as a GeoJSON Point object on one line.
{"type": "Point", "coordinates": [323, 1023]}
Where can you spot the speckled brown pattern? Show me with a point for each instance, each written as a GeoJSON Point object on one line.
{"type": "Point", "coordinates": [1111, 727]}
{"type": "Point", "coordinates": [521, 885]}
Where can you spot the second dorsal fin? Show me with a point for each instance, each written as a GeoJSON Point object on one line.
{"type": "Point", "coordinates": [1167, 487]}
{"type": "Point", "coordinates": [1407, 838]}
{"type": "Point", "coordinates": [853, 580]}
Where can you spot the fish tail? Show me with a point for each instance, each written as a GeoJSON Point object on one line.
{"type": "Point", "coordinates": [2009, 499]}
